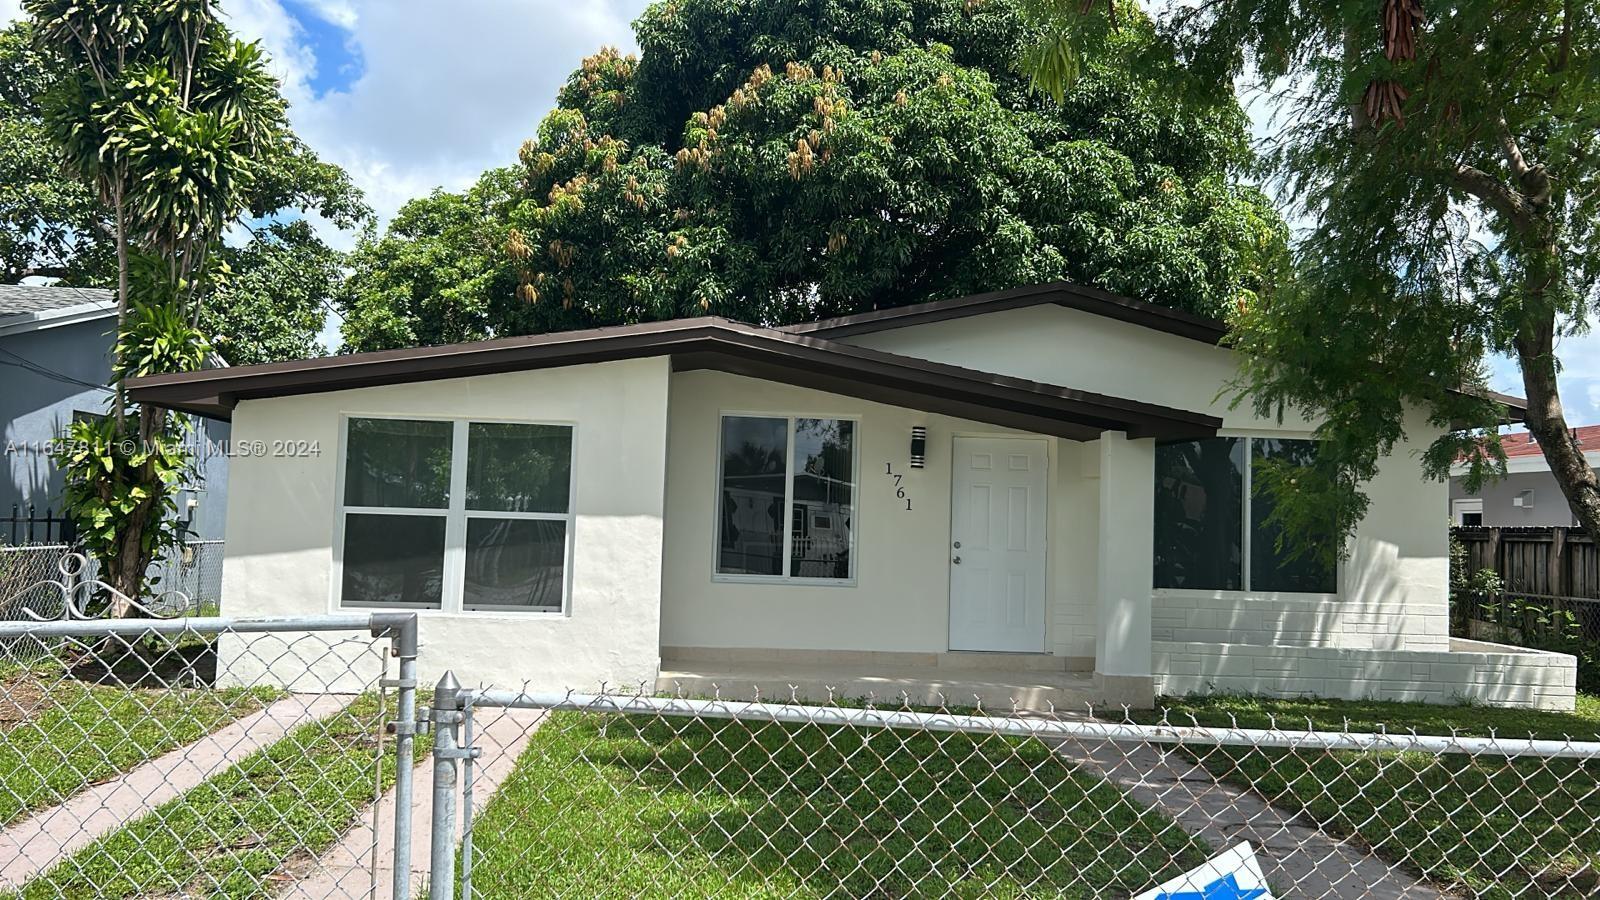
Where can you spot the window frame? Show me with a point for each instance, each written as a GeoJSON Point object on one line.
{"type": "Point", "coordinates": [1461, 507]}
{"type": "Point", "coordinates": [1246, 544]}
{"type": "Point", "coordinates": [788, 501]}
{"type": "Point", "coordinates": [452, 592]}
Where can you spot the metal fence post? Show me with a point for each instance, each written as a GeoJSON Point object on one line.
{"type": "Point", "coordinates": [446, 754]}
{"type": "Point", "coordinates": [401, 630]}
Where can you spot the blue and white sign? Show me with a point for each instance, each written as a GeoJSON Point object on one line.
{"type": "Point", "coordinates": [1232, 875]}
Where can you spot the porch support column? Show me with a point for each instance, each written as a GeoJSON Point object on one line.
{"type": "Point", "coordinates": [1126, 556]}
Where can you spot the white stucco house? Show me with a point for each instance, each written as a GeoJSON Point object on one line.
{"type": "Point", "coordinates": [1036, 496]}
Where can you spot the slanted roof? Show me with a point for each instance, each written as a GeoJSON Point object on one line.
{"type": "Point", "coordinates": [1059, 293]}
{"type": "Point", "coordinates": [1521, 443]}
{"type": "Point", "coordinates": [704, 343]}
{"type": "Point", "coordinates": [26, 298]}
{"type": "Point", "coordinates": [27, 307]}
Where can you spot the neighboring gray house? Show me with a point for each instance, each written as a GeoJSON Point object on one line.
{"type": "Point", "coordinates": [55, 361]}
{"type": "Point", "coordinates": [1528, 495]}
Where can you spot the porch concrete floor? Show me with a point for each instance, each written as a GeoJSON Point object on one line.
{"type": "Point", "coordinates": [996, 689]}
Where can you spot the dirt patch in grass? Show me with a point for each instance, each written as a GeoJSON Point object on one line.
{"type": "Point", "coordinates": [150, 664]}
{"type": "Point", "coordinates": [21, 697]}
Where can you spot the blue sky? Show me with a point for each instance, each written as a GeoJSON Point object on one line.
{"type": "Point", "coordinates": [409, 95]}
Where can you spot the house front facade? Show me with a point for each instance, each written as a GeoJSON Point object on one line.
{"type": "Point", "coordinates": [1037, 497]}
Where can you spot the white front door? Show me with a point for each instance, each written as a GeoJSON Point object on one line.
{"type": "Point", "coordinates": [997, 544]}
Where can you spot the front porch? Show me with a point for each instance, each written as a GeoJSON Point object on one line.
{"type": "Point", "coordinates": [996, 681]}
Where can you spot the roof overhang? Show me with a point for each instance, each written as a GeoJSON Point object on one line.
{"type": "Point", "coordinates": [39, 320]}
{"type": "Point", "coordinates": [707, 343]}
{"type": "Point", "coordinates": [1068, 295]}
{"type": "Point", "coordinates": [1057, 293]}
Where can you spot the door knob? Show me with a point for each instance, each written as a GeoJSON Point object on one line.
{"type": "Point", "coordinates": [957, 560]}
{"type": "Point", "coordinates": [957, 545]}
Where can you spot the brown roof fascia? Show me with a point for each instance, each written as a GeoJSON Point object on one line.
{"type": "Point", "coordinates": [705, 343]}
{"type": "Point", "coordinates": [1059, 293]}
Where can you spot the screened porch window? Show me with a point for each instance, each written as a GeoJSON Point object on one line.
{"type": "Point", "coordinates": [786, 504]}
{"type": "Point", "coordinates": [1211, 529]}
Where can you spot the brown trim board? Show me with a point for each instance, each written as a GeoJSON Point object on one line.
{"type": "Point", "coordinates": [1058, 293]}
{"type": "Point", "coordinates": [705, 343]}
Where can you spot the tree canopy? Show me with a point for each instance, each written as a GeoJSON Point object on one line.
{"type": "Point", "coordinates": [53, 225]}
{"type": "Point", "coordinates": [1446, 157]}
{"type": "Point", "coordinates": [176, 132]}
{"type": "Point", "coordinates": [778, 161]}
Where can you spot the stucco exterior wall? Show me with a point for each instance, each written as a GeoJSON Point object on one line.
{"type": "Point", "coordinates": [1549, 505]}
{"type": "Point", "coordinates": [900, 599]}
{"type": "Point", "coordinates": [1393, 589]}
{"type": "Point", "coordinates": [279, 555]}
{"type": "Point", "coordinates": [36, 409]}
{"type": "Point", "coordinates": [1462, 671]}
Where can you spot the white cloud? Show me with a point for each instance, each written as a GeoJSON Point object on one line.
{"type": "Point", "coordinates": [446, 91]}
{"type": "Point", "coordinates": [339, 13]}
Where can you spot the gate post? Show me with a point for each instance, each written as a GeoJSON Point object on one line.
{"type": "Point", "coordinates": [401, 630]}
{"type": "Point", "coordinates": [446, 753]}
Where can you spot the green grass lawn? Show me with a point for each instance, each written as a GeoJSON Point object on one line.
{"type": "Point", "coordinates": [229, 836]}
{"type": "Point", "coordinates": [59, 735]}
{"type": "Point", "coordinates": [1488, 826]}
{"type": "Point", "coordinates": [620, 806]}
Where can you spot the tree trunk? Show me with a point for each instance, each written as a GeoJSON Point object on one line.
{"type": "Point", "coordinates": [119, 398]}
{"type": "Point", "coordinates": [1548, 423]}
{"type": "Point", "coordinates": [131, 561]}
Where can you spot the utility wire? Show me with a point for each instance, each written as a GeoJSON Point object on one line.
{"type": "Point", "coordinates": [29, 365]}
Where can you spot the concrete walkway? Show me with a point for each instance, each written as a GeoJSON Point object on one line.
{"type": "Point", "coordinates": [1299, 859]}
{"type": "Point", "coordinates": [33, 845]}
{"type": "Point", "coordinates": [346, 870]}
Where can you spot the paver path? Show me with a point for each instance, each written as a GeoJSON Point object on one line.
{"type": "Point", "coordinates": [344, 871]}
{"type": "Point", "coordinates": [32, 845]}
{"type": "Point", "coordinates": [1299, 859]}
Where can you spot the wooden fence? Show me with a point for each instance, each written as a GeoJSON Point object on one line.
{"type": "Point", "coordinates": [1541, 561]}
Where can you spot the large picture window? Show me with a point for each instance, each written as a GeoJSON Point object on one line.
{"type": "Point", "coordinates": [1211, 529]}
{"type": "Point", "coordinates": [786, 506]}
{"type": "Point", "coordinates": [455, 515]}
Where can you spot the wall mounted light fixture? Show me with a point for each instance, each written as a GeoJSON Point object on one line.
{"type": "Point", "coordinates": [919, 446]}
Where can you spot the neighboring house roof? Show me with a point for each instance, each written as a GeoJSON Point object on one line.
{"type": "Point", "coordinates": [704, 343]}
{"type": "Point", "coordinates": [31, 307]}
{"type": "Point", "coordinates": [1522, 443]}
{"type": "Point", "coordinates": [1523, 453]}
{"type": "Point", "coordinates": [1058, 293]}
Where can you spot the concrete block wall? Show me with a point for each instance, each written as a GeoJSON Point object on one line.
{"type": "Point", "coordinates": [1465, 671]}
{"type": "Point", "coordinates": [1357, 623]}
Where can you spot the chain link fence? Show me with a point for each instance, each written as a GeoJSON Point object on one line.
{"type": "Point", "coordinates": [194, 757]}
{"type": "Point", "coordinates": [188, 580]}
{"type": "Point", "coordinates": [567, 795]}
{"type": "Point", "coordinates": [217, 757]}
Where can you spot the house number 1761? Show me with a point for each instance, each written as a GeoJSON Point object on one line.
{"type": "Point", "coordinates": [899, 489]}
